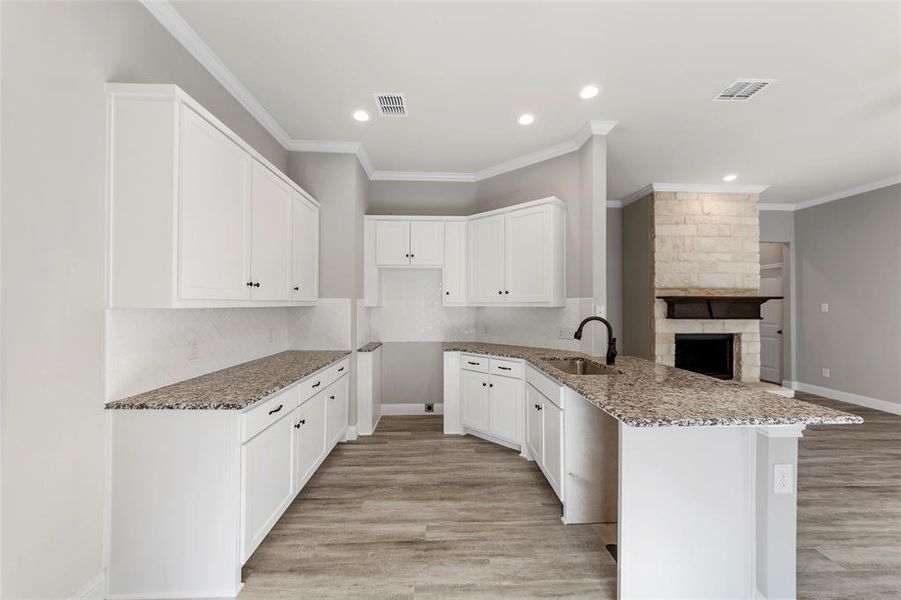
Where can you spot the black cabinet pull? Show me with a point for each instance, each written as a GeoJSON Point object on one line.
{"type": "Point", "coordinates": [249, 284]}
{"type": "Point", "coordinates": [257, 284]}
{"type": "Point", "coordinates": [341, 369]}
{"type": "Point", "coordinates": [447, 293]}
{"type": "Point", "coordinates": [500, 292]}
{"type": "Point", "coordinates": [331, 397]}
{"type": "Point", "coordinates": [536, 406]}
{"type": "Point", "coordinates": [505, 368]}
{"type": "Point", "coordinates": [296, 288]}
{"type": "Point", "coordinates": [275, 410]}
{"type": "Point", "coordinates": [412, 255]}
{"type": "Point", "coordinates": [507, 292]}
{"type": "Point", "coordinates": [484, 384]}
{"type": "Point", "coordinates": [540, 407]}
{"type": "Point", "coordinates": [316, 384]}
{"type": "Point", "coordinates": [490, 385]}
{"type": "Point", "coordinates": [407, 255]}
{"type": "Point", "coordinates": [469, 362]}
{"type": "Point", "coordinates": [297, 425]}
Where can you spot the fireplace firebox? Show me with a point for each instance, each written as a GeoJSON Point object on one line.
{"type": "Point", "coordinates": [706, 353]}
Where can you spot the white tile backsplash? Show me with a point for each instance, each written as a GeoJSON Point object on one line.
{"type": "Point", "coordinates": [325, 326]}
{"type": "Point", "coordinates": [531, 326]}
{"type": "Point", "coordinates": [150, 348]}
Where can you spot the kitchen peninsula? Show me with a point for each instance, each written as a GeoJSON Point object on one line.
{"type": "Point", "coordinates": [701, 473]}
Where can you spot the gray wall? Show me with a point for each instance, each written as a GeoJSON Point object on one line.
{"type": "Point", "coordinates": [849, 256]}
{"type": "Point", "coordinates": [422, 198]}
{"type": "Point", "coordinates": [56, 58]}
{"type": "Point", "coordinates": [412, 372]}
{"type": "Point", "coordinates": [637, 284]}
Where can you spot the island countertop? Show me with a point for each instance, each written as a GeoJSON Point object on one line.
{"type": "Point", "coordinates": [237, 387]}
{"type": "Point", "coordinates": [647, 394]}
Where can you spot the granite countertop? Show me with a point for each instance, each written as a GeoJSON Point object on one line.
{"type": "Point", "coordinates": [647, 394]}
{"type": "Point", "coordinates": [370, 347]}
{"type": "Point", "coordinates": [234, 388]}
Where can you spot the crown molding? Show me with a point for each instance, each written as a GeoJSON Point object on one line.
{"type": "Point", "coordinates": [637, 194]}
{"type": "Point", "coordinates": [777, 207]}
{"type": "Point", "coordinates": [444, 176]}
{"type": "Point", "coordinates": [173, 22]}
{"type": "Point", "coordinates": [709, 188]}
{"type": "Point", "coordinates": [325, 146]}
{"type": "Point", "coordinates": [867, 187]}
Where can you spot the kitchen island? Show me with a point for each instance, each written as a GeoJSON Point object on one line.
{"type": "Point", "coordinates": [704, 475]}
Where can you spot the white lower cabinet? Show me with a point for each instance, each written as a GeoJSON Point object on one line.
{"type": "Point", "coordinates": [309, 438]}
{"type": "Point", "coordinates": [534, 425]}
{"type": "Point", "coordinates": [336, 411]}
{"type": "Point", "coordinates": [492, 404]}
{"type": "Point", "coordinates": [268, 483]}
{"type": "Point", "coordinates": [553, 445]}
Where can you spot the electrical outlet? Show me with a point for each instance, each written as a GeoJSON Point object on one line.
{"type": "Point", "coordinates": [782, 479]}
{"type": "Point", "coordinates": [826, 372]}
{"type": "Point", "coordinates": [430, 408]}
{"type": "Point", "coordinates": [193, 349]}
{"type": "Point", "coordinates": [565, 333]}
{"type": "Point", "coordinates": [824, 307]}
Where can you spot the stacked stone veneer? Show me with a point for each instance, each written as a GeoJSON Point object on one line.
{"type": "Point", "coordinates": [706, 244]}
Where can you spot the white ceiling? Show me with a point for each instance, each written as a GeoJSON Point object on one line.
{"type": "Point", "coordinates": [831, 121]}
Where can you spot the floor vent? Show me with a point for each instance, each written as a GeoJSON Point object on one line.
{"type": "Point", "coordinates": [391, 105]}
{"type": "Point", "coordinates": [743, 90]}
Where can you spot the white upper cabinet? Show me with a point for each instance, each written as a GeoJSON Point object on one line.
{"type": "Point", "coordinates": [392, 243]}
{"type": "Point", "coordinates": [486, 260]}
{"type": "Point", "coordinates": [214, 190]}
{"type": "Point", "coordinates": [197, 217]}
{"type": "Point", "coordinates": [270, 217]}
{"type": "Point", "coordinates": [427, 243]}
{"type": "Point", "coordinates": [305, 238]}
{"type": "Point", "coordinates": [511, 256]}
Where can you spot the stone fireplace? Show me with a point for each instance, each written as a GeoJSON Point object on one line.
{"type": "Point", "coordinates": [698, 244]}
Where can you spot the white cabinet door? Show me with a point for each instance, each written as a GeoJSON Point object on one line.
{"type": "Point", "coordinates": [305, 238]}
{"type": "Point", "coordinates": [427, 243]}
{"type": "Point", "coordinates": [455, 262]}
{"type": "Point", "coordinates": [553, 445]}
{"type": "Point", "coordinates": [309, 438]}
{"type": "Point", "coordinates": [392, 243]}
{"type": "Point", "coordinates": [266, 483]}
{"type": "Point", "coordinates": [529, 255]}
{"type": "Point", "coordinates": [214, 221]}
{"type": "Point", "coordinates": [271, 208]}
{"type": "Point", "coordinates": [486, 260]}
{"type": "Point", "coordinates": [335, 412]}
{"type": "Point", "coordinates": [506, 408]}
{"type": "Point", "coordinates": [534, 427]}
{"type": "Point", "coordinates": [475, 392]}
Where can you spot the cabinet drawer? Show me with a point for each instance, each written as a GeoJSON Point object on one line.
{"type": "Point", "coordinates": [268, 412]}
{"type": "Point", "coordinates": [507, 368]}
{"type": "Point", "coordinates": [314, 384]}
{"type": "Point", "coordinates": [338, 369]}
{"type": "Point", "coordinates": [474, 363]}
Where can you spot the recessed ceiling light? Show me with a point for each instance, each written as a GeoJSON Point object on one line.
{"type": "Point", "coordinates": [589, 91]}
{"type": "Point", "coordinates": [361, 115]}
{"type": "Point", "coordinates": [730, 177]}
{"type": "Point", "coordinates": [526, 119]}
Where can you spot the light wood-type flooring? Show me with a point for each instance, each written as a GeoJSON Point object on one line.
{"type": "Point", "coordinates": [410, 512]}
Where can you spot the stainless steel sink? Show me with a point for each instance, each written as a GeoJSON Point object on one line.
{"type": "Point", "coordinates": [580, 366]}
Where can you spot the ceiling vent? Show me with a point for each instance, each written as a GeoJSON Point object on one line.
{"type": "Point", "coordinates": [391, 105]}
{"type": "Point", "coordinates": [743, 90]}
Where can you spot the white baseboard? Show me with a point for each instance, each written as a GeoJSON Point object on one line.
{"type": "Point", "coordinates": [410, 409]}
{"type": "Point", "coordinates": [884, 406]}
{"type": "Point", "coordinates": [95, 589]}
{"type": "Point", "coordinates": [351, 433]}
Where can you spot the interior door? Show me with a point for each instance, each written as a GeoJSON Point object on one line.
{"type": "Point", "coordinates": [528, 255]}
{"type": "Point", "coordinates": [305, 254]}
{"type": "Point", "coordinates": [427, 243]}
{"type": "Point", "coordinates": [771, 326]}
{"type": "Point", "coordinates": [475, 400]}
{"type": "Point", "coordinates": [267, 486]}
{"type": "Point", "coordinates": [392, 243]}
{"type": "Point", "coordinates": [214, 220]}
{"type": "Point", "coordinates": [271, 220]}
{"type": "Point", "coordinates": [486, 260]}
{"type": "Point", "coordinates": [455, 262]}
{"type": "Point", "coordinates": [553, 447]}
{"type": "Point", "coordinates": [534, 428]}
{"type": "Point", "coordinates": [309, 438]}
{"type": "Point", "coordinates": [506, 408]}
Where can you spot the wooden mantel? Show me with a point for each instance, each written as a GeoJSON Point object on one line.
{"type": "Point", "coordinates": [714, 306]}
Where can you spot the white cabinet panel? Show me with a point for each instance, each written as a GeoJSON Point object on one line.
{"type": "Point", "coordinates": [305, 249]}
{"type": "Point", "coordinates": [214, 194]}
{"type": "Point", "coordinates": [267, 487]}
{"type": "Point", "coordinates": [486, 260]}
{"type": "Point", "coordinates": [506, 408]}
{"type": "Point", "coordinates": [534, 426]}
{"type": "Point", "coordinates": [392, 243]}
{"type": "Point", "coordinates": [271, 228]}
{"type": "Point", "coordinates": [309, 438]}
{"type": "Point", "coordinates": [553, 448]}
{"type": "Point", "coordinates": [427, 243]}
{"type": "Point", "coordinates": [528, 252]}
{"type": "Point", "coordinates": [455, 262]}
{"type": "Point", "coordinates": [475, 393]}
{"type": "Point", "coordinates": [335, 411]}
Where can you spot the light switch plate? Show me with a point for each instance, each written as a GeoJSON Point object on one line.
{"type": "Point", "coordinates": [824, 307]}
{"type": "Point", "coordinates": [783, 481]}
{"type": "Point", "coordinates": [565, 333]}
